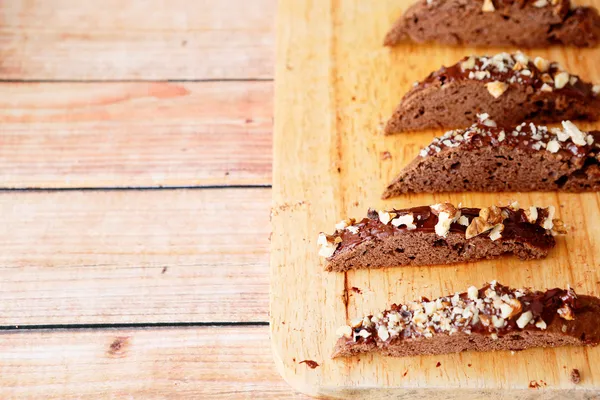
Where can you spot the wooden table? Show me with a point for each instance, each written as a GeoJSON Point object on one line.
{"type": "Point", "coordinates": [135, 173]}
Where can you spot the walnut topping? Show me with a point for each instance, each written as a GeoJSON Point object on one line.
{"type": "Point", "coordinates": [488, 6]}
{"type": "Point", "coordinates": [524, 319]}
{"type": "Point", "coordinates": [575, 134]}
{"type": "Point", "coordinates": [463, 220]}
{"type": "Point", "coordinates": [344, 331]}
{"type": "Point", "coordinates": [572, 80]}
{"type": "Point", "coordinates": [353, 229]}
{"type": "Point", "coordinates": [364, 333]}
{"type": "Point", "coordinates": [327, 244]}
{"type": "Point", "coordinates": [385, 216]}
{"type": "Point", "coordinates": [559, 227]}
{"type": "Point", "coordinates": [496, 232]}
{"type": "Point", "coordinates": [561, 79]}
{"type": "Point", "coordinates": [447, 214]}
{"type": "Point", "coordinates": [341, 225]}
{"type": "Point", "coordinates": [541, 64]}
{"type": "Point", "coordinates": [469, 63]}
{"type": "Point", "coordinates": [541, 324]}
{"type": "Point", "coordinates": [383, 333]}
{"type": "Point", "coordinates": [566, 312]}
{"type": "Point", "coordinates": [345, 224]}
{"type": "Point", "coordinates": [518, 66]}
{"type": "Point", "coordinates": [488, 218]}
{"type": "Point", "coordinates": [553, 146]}
{"type": "Point", "coordinates": [540, 3]}
{"type": "Point", "coordinates": [548, 222]}
{"type": "Point", "coordinates": [532, 214]}
{"type": "Point", "coordinates": [407, 220]}
{"type": "Point", "coordinates": [496, 88]}
{"type": "Point", "coordinates": [473, 293]}
{"type": "Point", "coordinates": [546, 88]}
{"type": "Point", "coordinates": [596, 89]}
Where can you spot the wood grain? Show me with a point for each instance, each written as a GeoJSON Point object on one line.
{"type": "Point", "coordinates": [61, 135]}
{"type": "Point", "coordinates": [132, 40]}
{"type": "Point", "coordinates": [90, 257]}
{"type": "Point", "coordinates": [328, 166]}
{"type": "Point", "coordinates": [207, 363]}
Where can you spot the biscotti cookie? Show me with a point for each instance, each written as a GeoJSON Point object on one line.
{"type": "Point", "coordinates": [493, 317]}
{"type": "Point", "coordinates": [439, 234]}
{"type": "Point", "coordinates": [511, 88]}
{"type": "Point", "coordinates": [489, 158]}
{"type": "Point", "coordinates": [518, 23]}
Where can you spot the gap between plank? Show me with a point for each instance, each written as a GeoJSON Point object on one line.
{"type": "Point", "coordinates": [6, 328]}
{"type": "Point", "coordinates": [139, 188]}
{"type": "Point", "coordinates": [135, 80]}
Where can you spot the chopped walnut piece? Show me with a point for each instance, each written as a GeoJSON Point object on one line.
{"type": "Point", "coordinates": [546, 78]}
{"type": "Point", "coordinates": [488, 218]}
{"type": "Point", "coordinates": [383, 333]}
{"type": "Point", "coordinates": [344, 331]}
{"type": "Point", "coordinates": [541, 324]}
{"type": "Point", "coordinates": [496, 88]}
{"type": "Point", "coordinates": [447, 214]}
{"type": "Point", "coordinates": [469, 63]}
{"type": "Point", "coordinates": [558, 227]}
{"type": "Point", "coordinates": [496, 232]}
{"type": "Point", "coordinates": [518, 66]}
{"type": "Point", "coordinates": [473, 293]}
{"type": "Point", "coordinates": [548, 222]}
{"type": "Point", "coordinates": [511, 308]}
{"type": "Point", "coordinates": [327, 245]}
{"type": "Point", "coordinates": [541, 3]}
{"type": "Point", "coordinates": [524, 319]}
{"type": "Point", "coordinates": [488, 6]}
{"type": "Point", "coordinates": [561, 79]}
{"type": "Point", "coordinates": [532, 214]}
{"type": "Point", "coordinates": [541, 64]}
{"type": "Point", "coordinates": [486, 320]}
{"type": "Point", "coordinates": [385, 216]}
{"type": "Point", "coordinates": [546, 88]}
{"type": "Point", "coordinates": [553, 146]}
{"type": "Point", "coordinates": [566, 312]}
{"type": "Point", "coordinates": [352, 229]}
{"type": "Point", "coordinates": [596, 89]}
{"type": "Point", "coordinates": [407, 219]}
{"type": "Point", "coordinates": [577, 136]}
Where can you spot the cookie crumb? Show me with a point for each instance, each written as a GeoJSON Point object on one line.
{"type": "Point", "coordinates": [575, 376]}
{"type": "Point", "coordinates": [310, 363]}
{"type": "Point", "coordinates": [385, 155]}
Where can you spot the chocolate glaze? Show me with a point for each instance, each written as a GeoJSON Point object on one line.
{"type": "Point", "coordinates": [455, 72]}
{"type": "Point", "coordinates": [480, 135]}
{"type": "Point", "coordinates": [516, 227]}
{"type": "Point", "coordinates": [543, 305]}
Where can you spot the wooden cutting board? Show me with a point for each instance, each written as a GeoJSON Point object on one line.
{"type": "Point", "coordinates": [335, 86]}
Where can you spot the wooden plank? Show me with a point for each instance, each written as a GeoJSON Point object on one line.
{"type": "Point", "coordinates": [91, 257]}
{"type": "Point", "coordinates": [58, 135]}
{"type": "Point", "coordinates": [209, 362]}
{"type": "Point", "coordinates": [142, 39]}
{"type": "Point", "coordinates": [328, 166]}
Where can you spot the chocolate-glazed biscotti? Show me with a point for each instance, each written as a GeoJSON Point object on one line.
{"type": "Point", "coordinates": [518, 23]}
{"type": "Point", "coordinates": [439, 234]}
{"type": "Point", "coordinates": [510, 88]}
{"type": "Point", "coordinates": [494, 317]}
{"type": "Point", "coordinates": [489, 158]}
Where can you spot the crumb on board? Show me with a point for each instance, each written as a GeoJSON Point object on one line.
{"type": "Point", "coordinates": [386, 155]}
{"type": "Point", "coordinates": [310, 363]}
{"type": "Point", "coordinates": [575, 376]}
{"type": "Point", "coordinates": [356, 290]}
{"type": "Point", "coordinates": [438, 364]}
